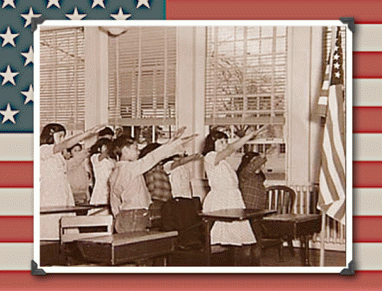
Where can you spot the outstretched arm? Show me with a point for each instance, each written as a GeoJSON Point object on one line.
{"type": "Point", "coordinates": [185, 160]}
{"type": "Point", "coordinates": [231, 148]}
{"type": "Point", "coordinates": [76, 139]}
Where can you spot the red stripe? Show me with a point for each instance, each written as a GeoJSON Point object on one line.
{"type": "Point", "coordinates": [367, 229]}
{"type": "Point", "coordinates": [362, 11]}
{"type": "Point", "coordinates": [16, 174]}
{"type": "Point", "coordinates": [367, 174]}
{"type": "Point", "coordinates": [363, 280]}
{"type": "Point", "coordinates": [367, 64]}
{"type": "Point", "coordinates": [367, 119]}
{"type": "Point", "coordinates": [16, 229]}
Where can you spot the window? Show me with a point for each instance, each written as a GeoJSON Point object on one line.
{"type": "Point", "coordinates": [246, 87]}
{"type": "Point", "coordinates": [142, 73]}
{"type": "Point", "coordinates": [62, 77]}
{"type": "Point", "coordinates": [245, 75]}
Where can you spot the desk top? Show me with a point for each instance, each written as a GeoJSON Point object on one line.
{"type": "Point", "coordinates": [236, 214]}
{"type": "Point", "coordinates": [118, 239]}
{"type": "Point", "coordinates": [62, 209]}
{"type": "Point", "coordinates": [66, 209]}
{"type": "Point", "coordinates": [292, 217]}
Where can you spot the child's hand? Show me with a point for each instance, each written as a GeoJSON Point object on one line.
{"type": "Point", "coordinates": [271, 150]}
{"type": "Point", "coordinates": [94, 130]}
{"type": "Point", "coordinates": [187, 139]}
{"type": "Point", "coordinates": [179, 133]}
{"type": "Point", "coordinates": [253, 133]}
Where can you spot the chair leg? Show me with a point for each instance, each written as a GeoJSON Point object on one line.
{"type": "Point", "coordinates": [281, 257]}
{"type": "Point", "coordinates": [290, 247]}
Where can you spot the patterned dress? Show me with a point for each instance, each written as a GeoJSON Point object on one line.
{"type": "Point", "coordinates": [225, 194]}
{"type": "Point", "coordinates": [251, 185]}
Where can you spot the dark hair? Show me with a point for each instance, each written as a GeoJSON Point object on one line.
{"type": "Point", "coordinates": [72, 147]}
{"type": "Point", "coordinates": [209, 143]}
{"type": "Point", "coordinates": [245, 160]}
{"type": "Point", "coordinates": [48, 131]}
{"type": "Point", "coordinates": [106, 131]}
{"type": "Point", "coordinates": [149, 148]}
{"type": "Point", "coordinates": [117, 145]}
{"type": "Point", "coordinates": [97, 147]}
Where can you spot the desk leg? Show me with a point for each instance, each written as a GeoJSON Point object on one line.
{"type": "Point", "coordinates": [207, 234]}
{"type": "Point", "coordinates": [256, 249]}
{"type": "Point", "coordinates": [305, 250]}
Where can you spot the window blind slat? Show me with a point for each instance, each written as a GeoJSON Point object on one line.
{"type": "Point", "coordinates": [62, 77]}
{"type": "Point", "coordinates": [142, 66]}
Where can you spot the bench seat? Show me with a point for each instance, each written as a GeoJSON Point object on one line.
{"type": "Point", "coordinates": [121, 248]}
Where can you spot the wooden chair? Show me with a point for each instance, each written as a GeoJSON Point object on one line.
{"type": "Point", "coordinates": [73, 228]}
{"type": "Point", "coordinates": [280, 198]}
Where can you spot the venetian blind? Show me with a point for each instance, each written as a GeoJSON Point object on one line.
{"type": "Point", "coordinates": [62, 77]}
{"type": "Point", "coordinates": [245, 75]}
{"type": "Point", "coordinates": [142, 74]}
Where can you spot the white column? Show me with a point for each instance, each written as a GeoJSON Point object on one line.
{"type": "Point", "coordinates": [304, 77]}
{"type": "Point", "coordinates": [96, 76]}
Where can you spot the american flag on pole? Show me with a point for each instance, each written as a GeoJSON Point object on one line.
{"type": "Point", "coordinates": [332, 172]}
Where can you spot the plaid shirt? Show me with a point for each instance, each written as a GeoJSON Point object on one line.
{"type": "Point", "coordinates": [158, 183]}
{"type": "Point", "coordinates": [251, 185]}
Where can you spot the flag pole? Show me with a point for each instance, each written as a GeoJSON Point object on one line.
{"type": "Point", "coordinates": [323, 122]}
{"type": "Point", "coordinates": [322, 238]}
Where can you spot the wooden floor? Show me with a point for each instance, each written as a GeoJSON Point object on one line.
{"type": "Point", "coordinates": [331, 258]}
{"type": "Point", "coordinates": [269, 258]}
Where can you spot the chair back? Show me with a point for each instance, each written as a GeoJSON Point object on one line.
{"type": "Point", "coordinates": [91, 226]}
{"type": "Point", "coordinates": [280, 198]}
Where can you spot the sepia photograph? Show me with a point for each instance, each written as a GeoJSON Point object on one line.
{"type": "Point", "coordinates": [193, 146]}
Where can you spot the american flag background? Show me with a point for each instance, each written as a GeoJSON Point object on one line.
{"type": "Point", "coordinates": [16, 134]}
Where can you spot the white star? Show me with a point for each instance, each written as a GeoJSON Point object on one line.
{"type": "Point", "coordinates": [53, 2]}
{"type": "Point", "coordinates": [337, 75]}
{"type": "Point", "coordinates": [28, 17]}
{"type": "Point", "coordinates": [28, 94]}
{"type": "Point", "coordinates": [8, 76]}
{"type": "Point", "coordinates": [8, 2]}
{"type": "Point", "coordinates": [9, 114]}
{"type": "Point", "coordinates": [143, 2]}
{"type": "Point", "coordinates": [98, 2]}
{"type": "Point", "coordinates": [28, 56]}
{"type": "Point", "coordinates": [75, 15]}
{"type": "Point", "coordinates": [120, 15]}
{"type": "Point", "coordinates": [336, 57]}
{"type": "Point", "coordinates": [9, 37]}
{"type": "Point", "coordinates": [336, 65]}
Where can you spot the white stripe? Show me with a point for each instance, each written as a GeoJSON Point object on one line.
{"type": "Point", "coordinates": [16, 147]}
{"type": "Point", "coordinates": [325, 85]}
{"type": "Point", "coordinates": [367, 37]}
{"type": "Point", "coordinates": [368, 256]}
{"type": "Point", "coordinates": [330, 164]}
{"type": "Point", "coordinates": [367, 147]}
{"type": "Point", "coordinates": [333, 107]}
{"type": "Point", "coordinates": [18, 256]}
{"type": "Point", "coordinates": [16, 201]}
{"type": "Point", "coordinates": [367, 92]}
{"type": "Point", "coordinates": [367, 201]}
{"type": "Point", "coordinates": [324, 190]}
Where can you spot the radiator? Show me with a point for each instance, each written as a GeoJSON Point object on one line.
{"type": "Point", "coordinates": [335, 232]}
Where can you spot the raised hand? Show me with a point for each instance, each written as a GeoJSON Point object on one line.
{"type": "Point", "coordinates": [179, 133]}
{"type": "Point", "coordinates": [187, 139]}
{"type": "Point", "coordinates": [95, 129]}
